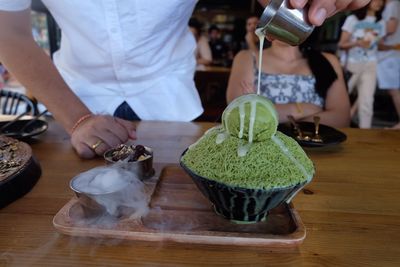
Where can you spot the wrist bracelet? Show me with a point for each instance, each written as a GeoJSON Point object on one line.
{"type": "Point", "coordinates": [79, 122]}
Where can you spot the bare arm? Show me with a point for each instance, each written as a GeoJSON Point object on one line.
{"type": "Point", "coordinates": [241, 75]}
{"type": "Point", "coordinates": [391, 25]}
{"type": "Point", "coordinates": [346, 43]}
{"type": "Point", "coordinates": [34, 69]}
{"type": "Point", "coordinates": [337, 103]}
{"type": "Point", "coordinates": [299, 111]}
{"type": "Point", "coordinates": [204, 55]}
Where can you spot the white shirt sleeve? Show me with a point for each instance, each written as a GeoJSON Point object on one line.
{"type": "Point", "coordinates": [349, 24]}
{"type": "Point", "coordinates": [14, 5]}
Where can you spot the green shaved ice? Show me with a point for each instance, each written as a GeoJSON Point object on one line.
{"type": "Point", "coordinates": [265, 119]}
{"type": "Point", "coordinates": [265, 166]}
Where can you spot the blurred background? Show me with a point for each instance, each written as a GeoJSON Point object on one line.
{"type": "Point", "coordinates": [221, 28]}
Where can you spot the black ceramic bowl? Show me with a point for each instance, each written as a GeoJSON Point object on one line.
{"type": "Point", "coordinates": [239, 204]}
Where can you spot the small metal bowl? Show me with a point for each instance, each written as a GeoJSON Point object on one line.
{"type": "Point", "coordinates": [116, 202]}
{"type": "Point", "coordinates": [142, 168]}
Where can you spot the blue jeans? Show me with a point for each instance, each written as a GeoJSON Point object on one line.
{"type": "Point", "coordinates": [124, 111]}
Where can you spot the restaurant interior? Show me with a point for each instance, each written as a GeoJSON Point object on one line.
{"type": "Point", "coordinates": [212, 81]}
{"type": "Point", "coordinates": [233, 187]}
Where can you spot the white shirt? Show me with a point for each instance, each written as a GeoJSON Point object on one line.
{"type": "Point", "coordinates": [138, 51]}
{"type": "Point", "coordinates": [368, 30]}
{"type": "Point", "coordinates": [392, 11]}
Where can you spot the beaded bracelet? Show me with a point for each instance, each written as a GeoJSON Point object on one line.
{"type": "Point", "coordinates": [79, 122]}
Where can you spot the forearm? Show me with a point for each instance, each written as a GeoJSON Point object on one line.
{"type": "Point", "coordinates": [285, 110]}
{"type": "Point", "coordinates": [306, 112]}
{"type": "Point", "coordinates": [298, 110]}
{"type": "Point", "coordinates": [347, 44]}
{"type": "Point", "coordinates": [203, 61]}
{"type": "Point", "coordinates": [383, 47]}
{"type": "Point", "coordinates": [331, 118]}
{"type": "Point", "coordinates": [34, 69]}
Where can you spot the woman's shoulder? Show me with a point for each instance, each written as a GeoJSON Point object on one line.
{"type": "Point", "coordinates": [244, 56]}
{"type": "Point", "coordinates": [245, 53]}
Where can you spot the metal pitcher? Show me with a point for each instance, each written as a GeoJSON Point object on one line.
{"type": "Point", "coordinates": [281, 22]}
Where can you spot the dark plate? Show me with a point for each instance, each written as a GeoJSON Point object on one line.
{"type": "Point", "coordinates": [14, 130]}
{"type": "Point", "coordinates": [329, 135]}
{"type": "Point", "coordinates": [19, 183]}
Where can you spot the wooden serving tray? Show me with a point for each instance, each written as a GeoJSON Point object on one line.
{"type": "Point", "coordinates": [180, 213]}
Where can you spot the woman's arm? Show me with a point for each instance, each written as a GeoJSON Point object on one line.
{"type": "Point", "coordinates": [299, 111]}
{"type": "Point", "coordinates": [204, 55]}
{"type": "Point", "coordinates": [337, 103]}
{"type": "Point", "coordinates": [346, 43]}
{"type": "Point", "coordinates": [391, 25]}
{"type": "Point", "coordinates": [241, 79]}
{"type": "Point", "coordinates": [34, 69]}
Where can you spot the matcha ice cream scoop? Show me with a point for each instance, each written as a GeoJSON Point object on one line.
{"type": "Point", "coordinates": [251, 117]}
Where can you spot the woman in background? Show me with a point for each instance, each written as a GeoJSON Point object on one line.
{"type": "Point", "coordinates": [203, 51]}
{"type": "Point", "coordinates": [361, 33]}
{"type": "Point", "coordinates": [299, 81]}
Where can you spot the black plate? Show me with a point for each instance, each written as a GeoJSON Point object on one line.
{"type": "Point", "coordinates": [329, 135]}
{"type": "Point", "coordinates": [14, 130]}
{"type": "Point", "coordinates": [19, 183]}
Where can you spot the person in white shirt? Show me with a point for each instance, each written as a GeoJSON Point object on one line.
{"type": "Point", "coordinates": [133, 57]}
{"type": "Point", "coordinates": [361, 34]}
{"type": "Point", "coordinates": [389, 57]}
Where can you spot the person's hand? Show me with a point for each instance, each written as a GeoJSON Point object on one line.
{"type": "Point", "coordinates": [363, 43]}
{"type": "Point", "coordinates": [307, 110]}
{"type": "Point", "coordinates": [99, 133]}
{"type": "Point", "coordinates": [321, 9]}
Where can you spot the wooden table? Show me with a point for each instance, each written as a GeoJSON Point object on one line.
{"type": "Point", "coordinates": [351, 209]}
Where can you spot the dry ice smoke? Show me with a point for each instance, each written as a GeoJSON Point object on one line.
{"type": "Point", "coordinates": [119, 191]}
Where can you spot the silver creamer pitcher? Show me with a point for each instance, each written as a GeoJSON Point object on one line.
{"type": "Point", "coordinates": [286, 24]}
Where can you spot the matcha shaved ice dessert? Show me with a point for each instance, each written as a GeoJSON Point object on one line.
{"type": "Point", "coordinates": [247, 151]}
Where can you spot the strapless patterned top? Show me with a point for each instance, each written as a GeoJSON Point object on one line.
{"type": "Point", "coordinates": [289, 88]}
